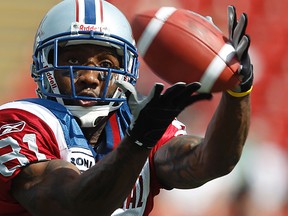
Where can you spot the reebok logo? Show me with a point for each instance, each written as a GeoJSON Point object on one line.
{"type": "Point", "coordinates": [13, 127]}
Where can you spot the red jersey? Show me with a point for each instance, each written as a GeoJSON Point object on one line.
{"type": "Point", "coordinates": [36, 130]}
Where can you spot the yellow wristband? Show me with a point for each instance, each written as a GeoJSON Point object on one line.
{"type": "Point", "coordinates": [240, 94]}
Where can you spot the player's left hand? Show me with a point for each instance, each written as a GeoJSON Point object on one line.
{"type": "Point", "coordinates": [241, 43]}
{"type": "Point", "coordinates": [152, 115]}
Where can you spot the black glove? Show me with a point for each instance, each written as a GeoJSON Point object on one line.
{"type": "Point", "coordinates": [152, 115]}
{"type": "Point", "coordinates": [241, 42]}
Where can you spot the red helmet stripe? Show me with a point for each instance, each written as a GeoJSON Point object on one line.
{"type": "Point", "coordinates": [77, 11]}
{"type": "Point", "coordinates": [101, 11]}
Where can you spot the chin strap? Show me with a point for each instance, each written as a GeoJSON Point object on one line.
{"type": "Point", "coordinates": [89, 116]}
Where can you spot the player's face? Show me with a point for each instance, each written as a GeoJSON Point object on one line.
{"type": "Point", "coordinates": [87, 82]}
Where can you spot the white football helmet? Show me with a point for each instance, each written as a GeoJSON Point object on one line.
{"type": "Point", "coordinates": [73, 22]}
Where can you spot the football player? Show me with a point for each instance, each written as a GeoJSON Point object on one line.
{"type": "Point", "coordinates": [89, 145]}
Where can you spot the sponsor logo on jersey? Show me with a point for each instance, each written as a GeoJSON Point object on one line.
{"type": "Point", "coordinates": [82, 158]}
{"type": "Point", "coordinates": [12, 127]}
{"type": "Point", "coordinates": [82, 162]}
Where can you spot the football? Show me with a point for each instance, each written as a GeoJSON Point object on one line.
{"type": "Point", "coordinates": [182, 46]}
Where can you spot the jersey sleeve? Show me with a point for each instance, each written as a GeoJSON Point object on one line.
{"type": "Point", "coordinates": [176, 128]}
{"type": "Point", "coordinates": [24, 138]}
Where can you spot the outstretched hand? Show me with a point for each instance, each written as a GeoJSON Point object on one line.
{"type": "Point", "coordinates": [152, 115]}
{"type": "Point", "coordinates": [241, 42]}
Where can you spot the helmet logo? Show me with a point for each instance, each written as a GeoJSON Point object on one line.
{"type": "Point", "coordinates": [75, 27]}
{"type": "Point", "coordinates": [51, 80]}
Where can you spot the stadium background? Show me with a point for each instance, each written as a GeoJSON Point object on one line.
{"type": "Point", "coordinates": [259, 184]}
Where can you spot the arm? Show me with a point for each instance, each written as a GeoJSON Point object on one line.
{"type": "Point", "coordinates": [57, 188]}
{"type": "Point", "coordinates": [200, 160]}
{"type": "Point", "coordinates": [196, 161]}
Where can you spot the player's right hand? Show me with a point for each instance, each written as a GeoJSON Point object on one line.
{"type": "Point", "coordinates": [152, 115]}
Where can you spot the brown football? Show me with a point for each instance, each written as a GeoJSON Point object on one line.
{"type": "Point", "coordinates": [182, 46]}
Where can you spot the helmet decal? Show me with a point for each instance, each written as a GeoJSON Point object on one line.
{"type": "Point", "coordinates": [89, 11]}
{"type": "Point", "coordinates": [89, 16]}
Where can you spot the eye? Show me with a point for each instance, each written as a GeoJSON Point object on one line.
{"type": "Point", "coordinates": [106, 64]}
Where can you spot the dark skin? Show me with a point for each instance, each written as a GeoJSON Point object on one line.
{"type": "Point", "coordinates": [87, 82]}
{"type": "Point", "coordinates": [184, 162]}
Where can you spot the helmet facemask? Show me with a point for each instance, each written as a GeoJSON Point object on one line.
{"type": "Point", "coordinates": [46, 63]}
{"type": "Point", "coordinates": [89, 22]}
